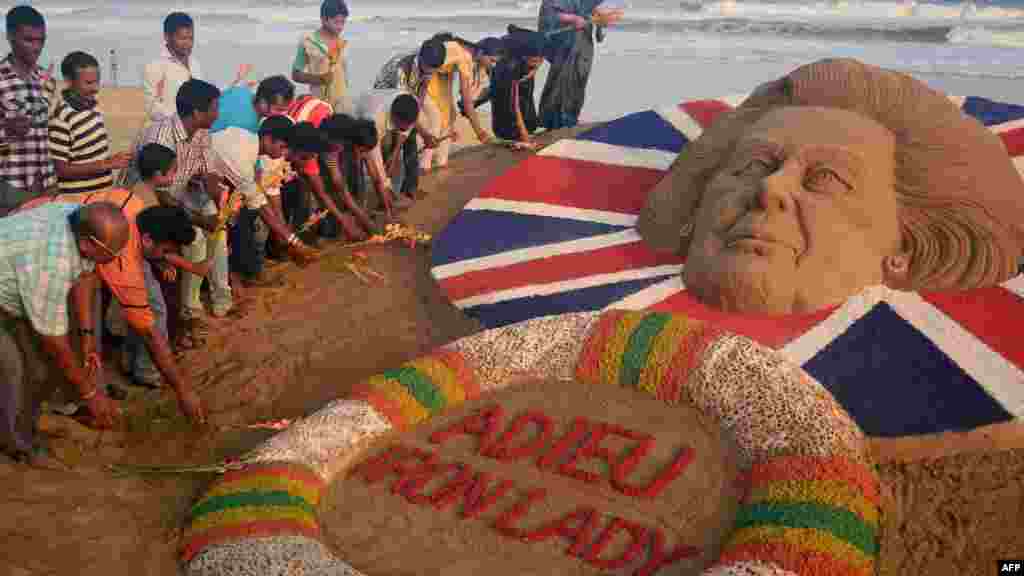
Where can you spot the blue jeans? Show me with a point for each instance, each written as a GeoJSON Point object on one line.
{"type": "Point", "coordinates": [142, 366]}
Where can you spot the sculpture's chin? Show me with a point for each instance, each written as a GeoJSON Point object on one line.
{"type": "Point", "coordinates": [766, 300]}
{"type": "Point", "coordinates": [749, 303]}
{"type": "Point", "coordinates": [736, 291]}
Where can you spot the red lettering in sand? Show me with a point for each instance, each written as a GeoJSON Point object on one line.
{"type": "Point", "coordinates": [411, 487]}
{"type": "Point", "coordinates": [502, 448]}
{"type": "Point", "coordinates": [506, 522]}
{"type": "Point", "coordinates": [576, 526]}
{"type": "Point", "coordinates": [564, 446]}
{"type": "Point", "coordinates": [617, 526]}
{"type": "Point", "coordinates": [591, 448]}
{"type": "Point", "coordinates": [474, 488]}
{"type": "Point", "coordinates": [417, 469]}
{"type": "Point", "coordinates": [658, 559]}
{"type": "Point", "coordinates": [482, 424]}
{"type": "Point", "coordinates": [659, 482]}
{"type": "Point", "coordinates": [400, 460]}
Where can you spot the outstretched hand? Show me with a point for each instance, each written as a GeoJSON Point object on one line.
{"type": "Point", "coordinates": [191, 405]}
{"type": "Point", "coordinates": [104, 411]}
{"type": "Point", "coordinates": [528, 145]}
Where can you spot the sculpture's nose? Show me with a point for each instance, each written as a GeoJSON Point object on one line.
{"type": "Point", "coordinates": [774, 194]}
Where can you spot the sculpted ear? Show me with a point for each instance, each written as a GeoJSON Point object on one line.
{"type": "Point", "coordinates": [896, 271]}
{"type": "Point", "coordinates": [672, 203]}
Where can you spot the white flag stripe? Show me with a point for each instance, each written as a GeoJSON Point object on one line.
{"type": "Point", "coordinates": [535, 253]}
{"type": "Point", "coordinates": [552, 211]}
{"type": "Point", "coordinates": [651, 295]}
{"type": "Point", "coordinates": [801, 349]}
{"type": "Point", "coordinates": [1007, 126]}
{"type": "Point", "coordinates": [611, 154]}
{"type": "Point", "coordinates": [1015, 285]}
{"type": "Point", "coordinates": [568, 285]}
{"type": "Point", "coordinates": [681, 121]}
{"type": "Point", "coordinates": [734, 100]}
{"type": "Point", "coordinates": [998, 376]}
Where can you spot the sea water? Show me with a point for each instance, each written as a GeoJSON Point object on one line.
{"type": "Point", "coordinates": [663, 52]}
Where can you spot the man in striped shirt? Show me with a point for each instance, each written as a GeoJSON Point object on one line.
{"type": "Point", "coordinates": [187, 133]}
{"type": "Point", "coordinates": [308, 192]}
{"type": "Point", "coordinates": [79, 144]}
{"type": "Point", "coordinates": [25, 166]}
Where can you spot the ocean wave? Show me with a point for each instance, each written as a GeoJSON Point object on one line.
{"type": "Point", "coordinates": [850, 20]}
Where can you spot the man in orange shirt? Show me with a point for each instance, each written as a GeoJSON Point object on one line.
{"type": "Point", "coordinates": [157, 234]}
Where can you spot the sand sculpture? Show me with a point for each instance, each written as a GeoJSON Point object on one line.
{"type": "Point", "coordinates": [837, 177]}
{"type": "Point", "coordinates": [806, 499]}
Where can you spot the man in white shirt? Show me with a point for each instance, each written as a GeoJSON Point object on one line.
{"type": "Point", "coordinates": [394, 112]}
{"type": "Point", "coordinates": [164, 76]}
{"type": "Point", "coordinates": [238, 156]}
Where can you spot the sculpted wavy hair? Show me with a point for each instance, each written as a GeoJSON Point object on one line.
{"type": "Point", "coordinates": [961, 208]}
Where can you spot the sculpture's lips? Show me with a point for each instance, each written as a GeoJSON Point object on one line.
{"type": "Point", "coordinates": [756, 241]}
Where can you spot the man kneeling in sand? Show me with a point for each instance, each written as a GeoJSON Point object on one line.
{"type": "Point", "coordinates": [393, 163]}
{"type": "Point", "coordinates": [349, 144]}
{"type": "Point", "coordinates": [838, 177]}
{"type": "Point", "coordinates": [238, 155]}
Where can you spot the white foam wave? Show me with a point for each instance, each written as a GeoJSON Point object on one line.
{"type": "Point", "coordinates": [909, 20]}
{"type": "Point", "coordinates": [981, 36]}
{"type": "Point", "coordinates": [845, 11]}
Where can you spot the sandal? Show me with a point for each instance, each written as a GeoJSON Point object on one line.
{"type": "Point", "coordinates": [195, 332]}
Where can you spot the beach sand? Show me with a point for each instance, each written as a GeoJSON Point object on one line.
{"type": "Point", "coordinates": [944, 514]}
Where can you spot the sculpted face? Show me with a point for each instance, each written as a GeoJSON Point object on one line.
{"type": "Point", "coordinates": [800, 215]}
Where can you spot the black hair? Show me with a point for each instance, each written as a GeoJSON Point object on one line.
{"type": "Point", "coordinates": [166, 224]}
{"type": "Point", "coordinates": [523, 43]}
{"type": "Point", "coordinates": [432, 53]}
{"type": "Point", "coordinates": [279, 128]}
{"type": "Point", "coordinates": [195, 96]}
{"type": "Point", "coordinates": [344, 128]}
{"type": "Point", "coordinates": [364, 133]}
{"type": "Point", "coordinates": [76, 61]}
{"type": "Point", "coordinates": [443, 37]}
{"type": "Point", "coordinates": [332, 8]}
{"type": "Point", "coordinates": [308, 138]}
{"type": "Point", "coordinates": [491, 47]}
{"type": "Point", "coordinates": [405, 108]}
{"type": "Point", "coordinates": [273, 87]}
{"type": "Point", "coordinates": [23, 16]}
{"type": "Point", "coordinates": [176, 21]}
{"type": "Point", "coordinates": [153, 158]}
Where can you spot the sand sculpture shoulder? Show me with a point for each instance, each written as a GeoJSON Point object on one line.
{"type": "Point", "coordinates": [836, 177]}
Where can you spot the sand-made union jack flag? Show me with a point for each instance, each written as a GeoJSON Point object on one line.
{"type": "Point", "coordinates": [556, 234]}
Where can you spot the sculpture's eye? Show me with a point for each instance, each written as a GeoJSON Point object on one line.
{"type": "Point", "coordinates": [823, 179]}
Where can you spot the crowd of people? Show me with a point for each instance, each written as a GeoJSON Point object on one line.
{"type": "Point", "coordinates": [97, 243]}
